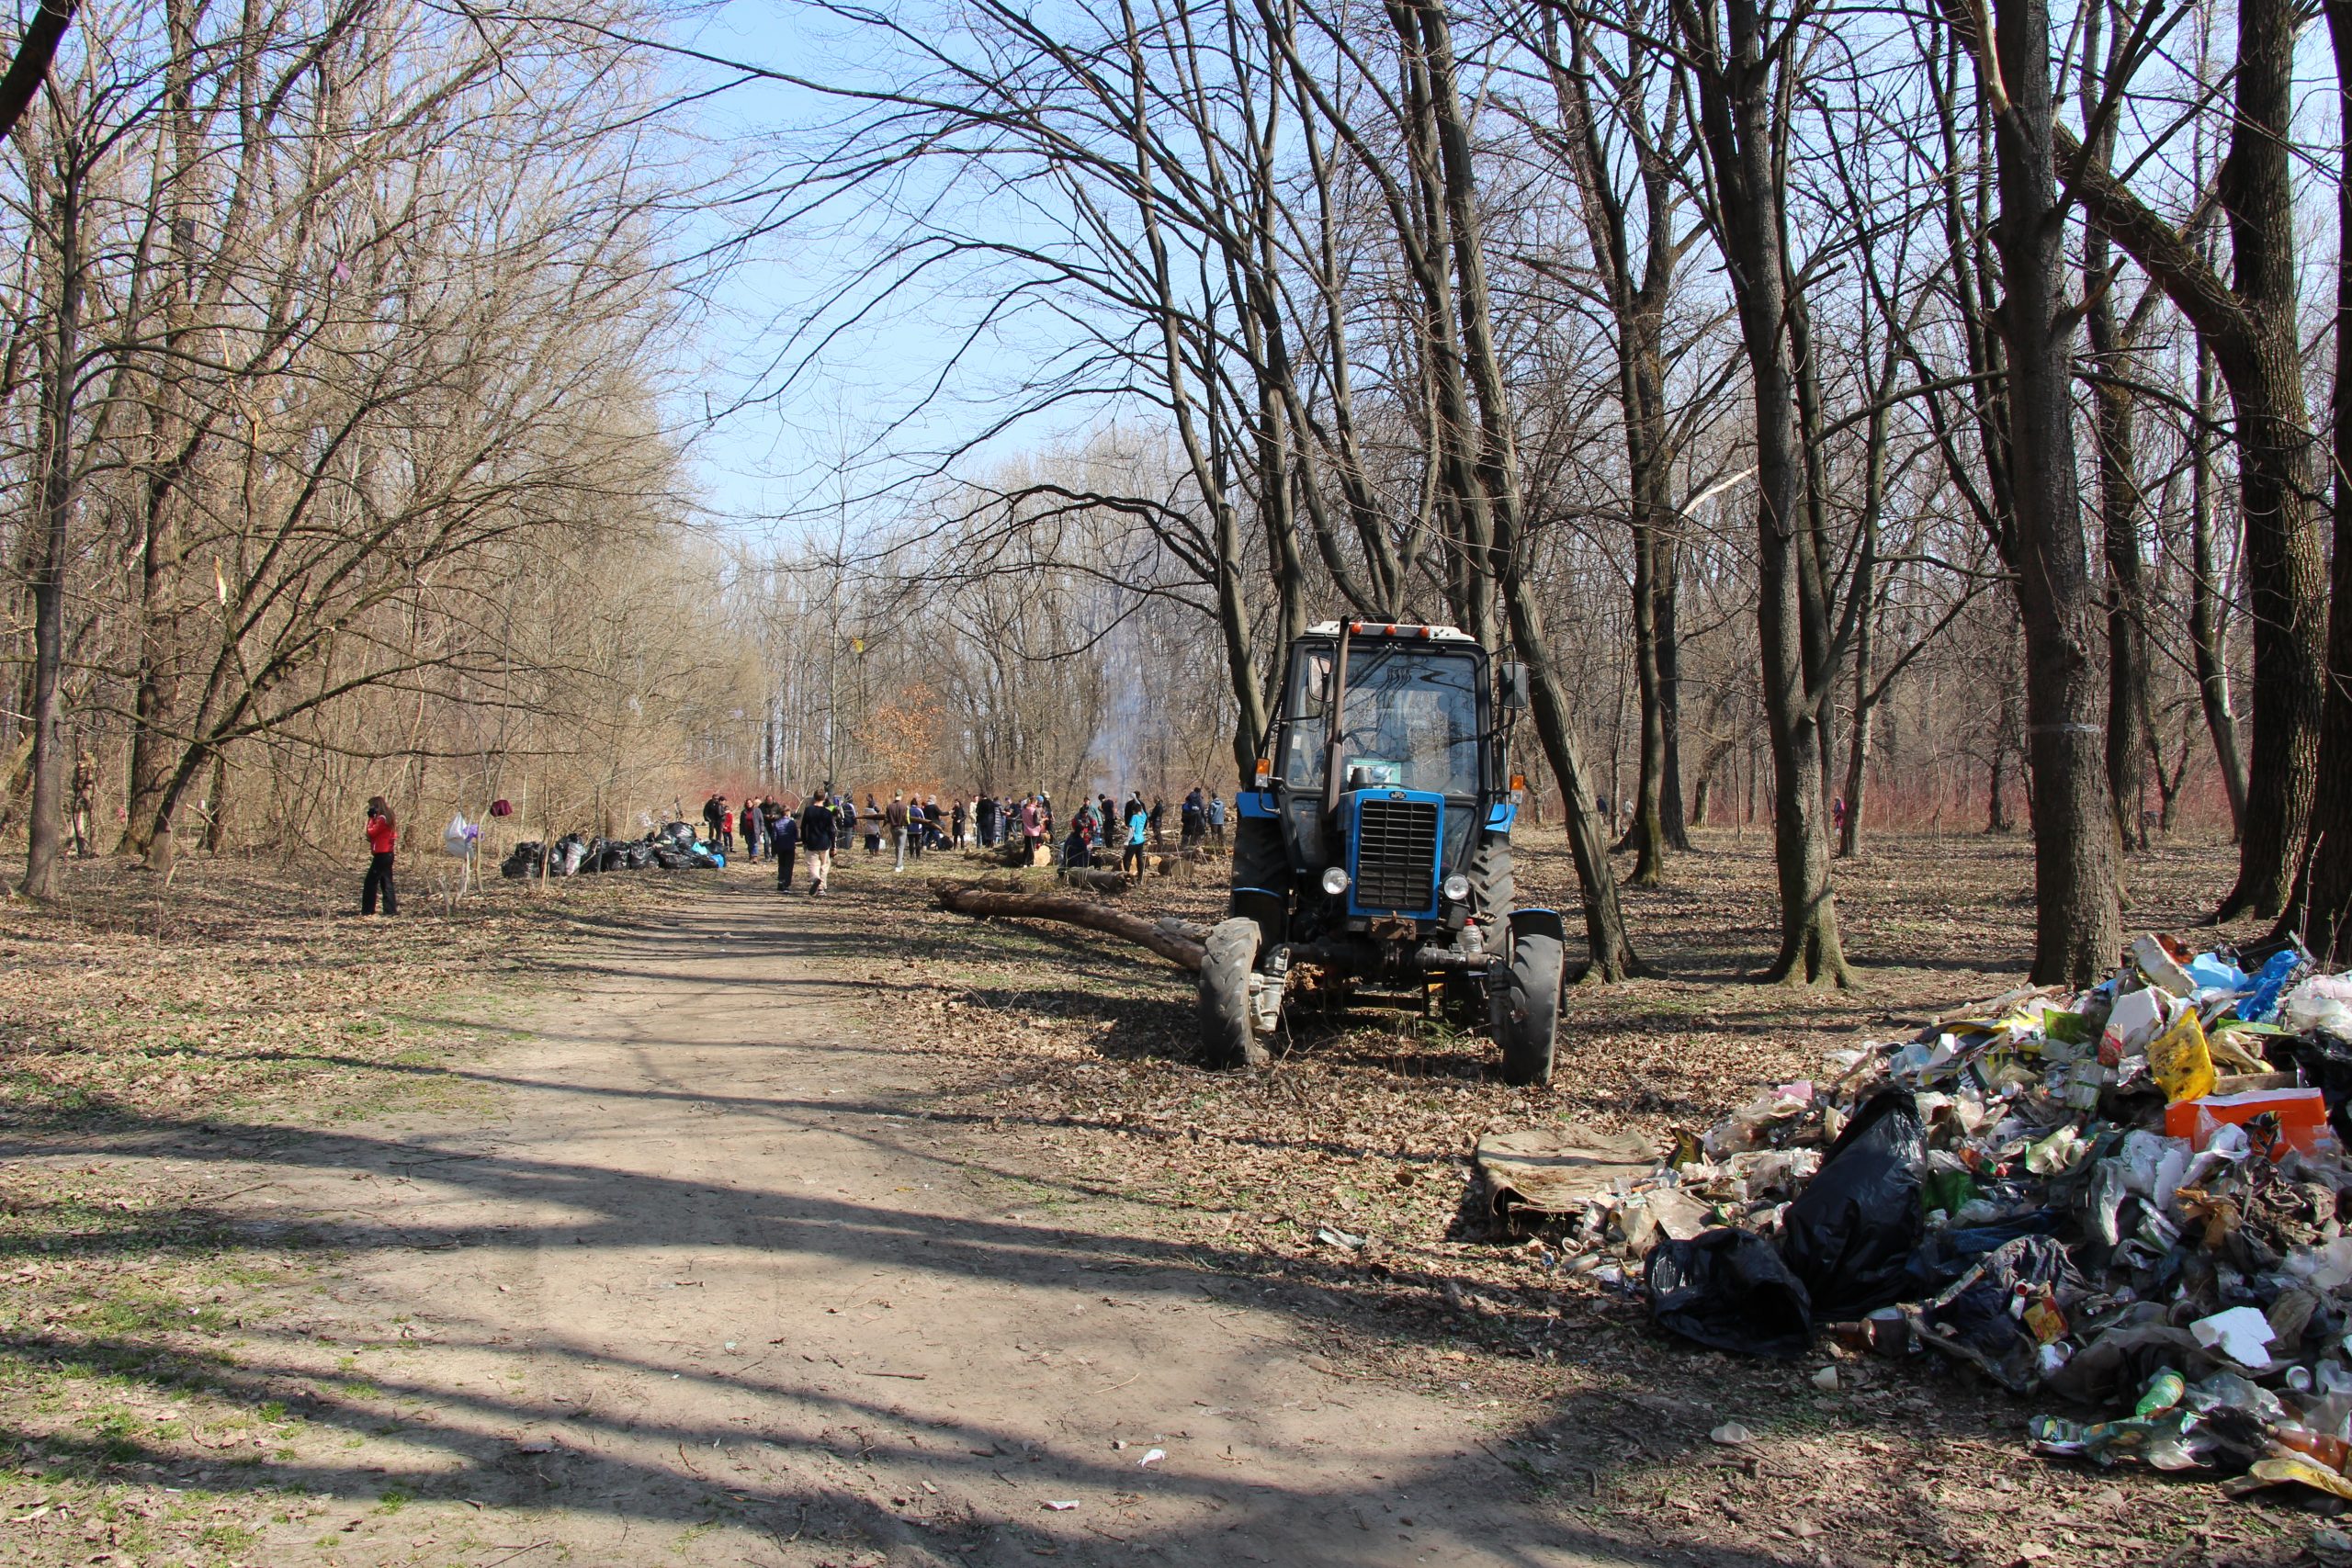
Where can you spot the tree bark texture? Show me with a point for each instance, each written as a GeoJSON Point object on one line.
{"type": "Point", "coordinates": [61, 371]}
{"type": "Point", "coordinates": [2250, 324]}
{"type": "Point", "coordinates": [1734, 80]}
{"type": "Point", "coordinates": [2321, 910]}
{"type": "Point", "coordinates": [2077, 919]}
{"type": "Point", "coordinates": [1071, 909]}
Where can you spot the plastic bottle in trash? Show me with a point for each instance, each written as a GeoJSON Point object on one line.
{"type": "Point", "coordinates": [2329, 1451]}
{"type": "Point", "coordinates": [2164, 1391]}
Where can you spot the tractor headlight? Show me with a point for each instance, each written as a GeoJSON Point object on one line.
{"type": "Point", "coordinates": [1457, 888]}
{"type": "Point", "coordinates": [1335, 881]}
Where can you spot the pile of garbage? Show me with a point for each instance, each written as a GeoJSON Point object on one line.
{"type": "Point", "coordinates": [672, 848]}
{"type": "Point", "coordinates": [2132, 1198]}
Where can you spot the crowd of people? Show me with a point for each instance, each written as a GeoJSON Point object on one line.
{"type": "Point", "coordinates": [1100, 833]}
{"type": "Point", "coordinates": [803, 839]}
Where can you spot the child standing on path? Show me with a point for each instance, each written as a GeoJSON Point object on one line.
{"type": "Point", "coordinates": [382, 834]}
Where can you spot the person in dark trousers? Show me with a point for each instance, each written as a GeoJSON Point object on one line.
{"type": "Point", "coordinates": [755, 825]}
{"type": "Point", "coordinates": [383, 833]}
{"type": "Point", "coordinates": [1131, 861]}
{"type": "Point", "coordinates": [714, 812]}
{"type": "Point", "coordinates": [819, 828]}
{"type": "Point", "coordinates": [783, 839]}
{"type": "Point", "coordinates": [1158, 822]}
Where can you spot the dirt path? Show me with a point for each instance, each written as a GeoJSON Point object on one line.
{"type": "Point", "coordinates": [708, 1286]}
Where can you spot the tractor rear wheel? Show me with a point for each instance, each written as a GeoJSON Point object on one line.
{"type": "Point", "coordinates": [1531, 1017]}
{"type": "Point", "coordinates": [1227, 1040]}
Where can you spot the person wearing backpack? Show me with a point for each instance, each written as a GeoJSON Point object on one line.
{"type": "Point", "coordinates": [383, 833]}
{"type": "Point", "coordinates": [818, 830]}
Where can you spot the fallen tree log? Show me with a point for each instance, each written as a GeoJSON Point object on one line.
{"type": "Point", "coordinates": [1169, 939]}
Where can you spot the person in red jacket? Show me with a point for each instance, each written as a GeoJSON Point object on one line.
{"type": "Point", "coordinates": [382, 834]}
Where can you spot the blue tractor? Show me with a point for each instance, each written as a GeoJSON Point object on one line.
{"type": "Point", "coordinates": [1371, 851]}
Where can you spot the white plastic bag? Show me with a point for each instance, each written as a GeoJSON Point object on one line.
{"type": "Point", "coordinates": [457, 838]}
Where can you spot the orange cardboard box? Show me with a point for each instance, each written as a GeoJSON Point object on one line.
{"type": "Point", "coordinates": [2302, 1112]}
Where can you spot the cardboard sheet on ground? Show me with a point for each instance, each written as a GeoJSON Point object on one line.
{"type": "Point", "coordinates": [1553, 1170]}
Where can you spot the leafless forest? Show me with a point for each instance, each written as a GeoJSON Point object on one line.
{"type": "Point", "coordinates": [1930, 410]}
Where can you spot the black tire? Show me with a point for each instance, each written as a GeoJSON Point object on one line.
{"type": "Point", "coordinates": [1531, 1019]}
{"type": "Point", "coordinates": [1261, 879]}
{"type": "Point", "coordinates": [1227, 1039]}
{"type": "Point", "coordinates": [1492, 884]}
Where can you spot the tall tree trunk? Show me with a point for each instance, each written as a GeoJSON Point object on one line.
{"type": "Point", "coordinates": [60, 372]}
{"type": "Point", "coordinates": [1498, 474]}
{"type": "Point", "coordinates": [2209, 651]}
{"type": "Point", "coordinates": [2320, 909]}
{"type": "Point", "coordinates": [1858, 747]}
{"type": "Point", "coordinates": [2253, 327]}
{"type": "Point", "coordinates": [2119, 478]}
{"type": "Point", "coordinates": [1666, 564]}
{"type": "Point", "coordinates": [1734, 77]}
{"type": "Point", "coordinates": [1637, 294]}
{"type": "Point", "coordinates": [2078, 922]}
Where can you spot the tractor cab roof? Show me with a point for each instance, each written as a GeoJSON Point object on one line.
{"type": "Point", "coordinates": [1398, 630]}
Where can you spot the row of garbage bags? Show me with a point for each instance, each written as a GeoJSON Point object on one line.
{"type": "Point", "coordinates": [2131, 1198]}
{"type": "Point", "coordinates": [672, 848]}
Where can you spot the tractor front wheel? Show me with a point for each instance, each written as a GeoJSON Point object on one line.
{"type": "Point", "coordinates": [1531, 1017]}
{"type": "Point", "coordinates": [1227, 1040]}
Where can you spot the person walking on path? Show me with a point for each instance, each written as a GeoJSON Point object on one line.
{"type": "Point", "coordinates": [756, 815]}
{"type": "Point", "coordinates": [383, 833]}
{"type": "Point", "coordinates": [895, 816]}
{"type": "Point", "coordinates": [1138, 823]}
{"type": "Point", "coordinates": [873, 826]}
{"type": "Point", "coordinates": [818, 830]}
{"type": "Point", "coordinates": [783, 839]}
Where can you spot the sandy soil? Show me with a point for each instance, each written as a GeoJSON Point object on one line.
{"type": "Point", "coordinates": [708, 1284]}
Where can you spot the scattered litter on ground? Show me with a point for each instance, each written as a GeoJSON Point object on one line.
{"type": "Point", "coordinates": [2126, 1197]}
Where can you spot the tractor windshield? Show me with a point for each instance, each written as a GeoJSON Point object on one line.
{"type": "Point", "coordinates": [1411, 723]}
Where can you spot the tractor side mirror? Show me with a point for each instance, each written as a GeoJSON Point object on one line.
{"type": "Point", "coordinates": [1315, 683]}
{"type": "Point", "coordinates": [1517, 687]}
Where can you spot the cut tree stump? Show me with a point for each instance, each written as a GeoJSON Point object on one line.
{"type": "Point", "coordinates": [1173, 940]}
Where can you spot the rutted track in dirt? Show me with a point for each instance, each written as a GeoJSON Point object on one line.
{"type": "Point", "coordinates": [708, 1286]}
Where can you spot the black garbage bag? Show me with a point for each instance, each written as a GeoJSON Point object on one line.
{"type": "Point", "coordinates": [1851, 1232]}
{"type": "Point", "coordinates": [2325, 1062]}
{"type": "Point", "coordinates": [1729, 1289]}
{"type": "Point", "coordinates": [613, 857]}
{"type": "Point", "coordinates": [1975, 1319]}
{"type": "Point", "coordinates": [678, 833]}
{"type": "Point", "coordinates": [524, 859]}
{"type": "Point", "coordinates": [1946, 1254]}
{"type": "Point", "coordinates": [669, 857]}
{"type": "Point", "coordinates": [569, 853]}
{"type": "Point", "coordinates": [640, 855]}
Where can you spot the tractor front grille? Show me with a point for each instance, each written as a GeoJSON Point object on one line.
{"type": "Point", "coordinates": [1397, 855]}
